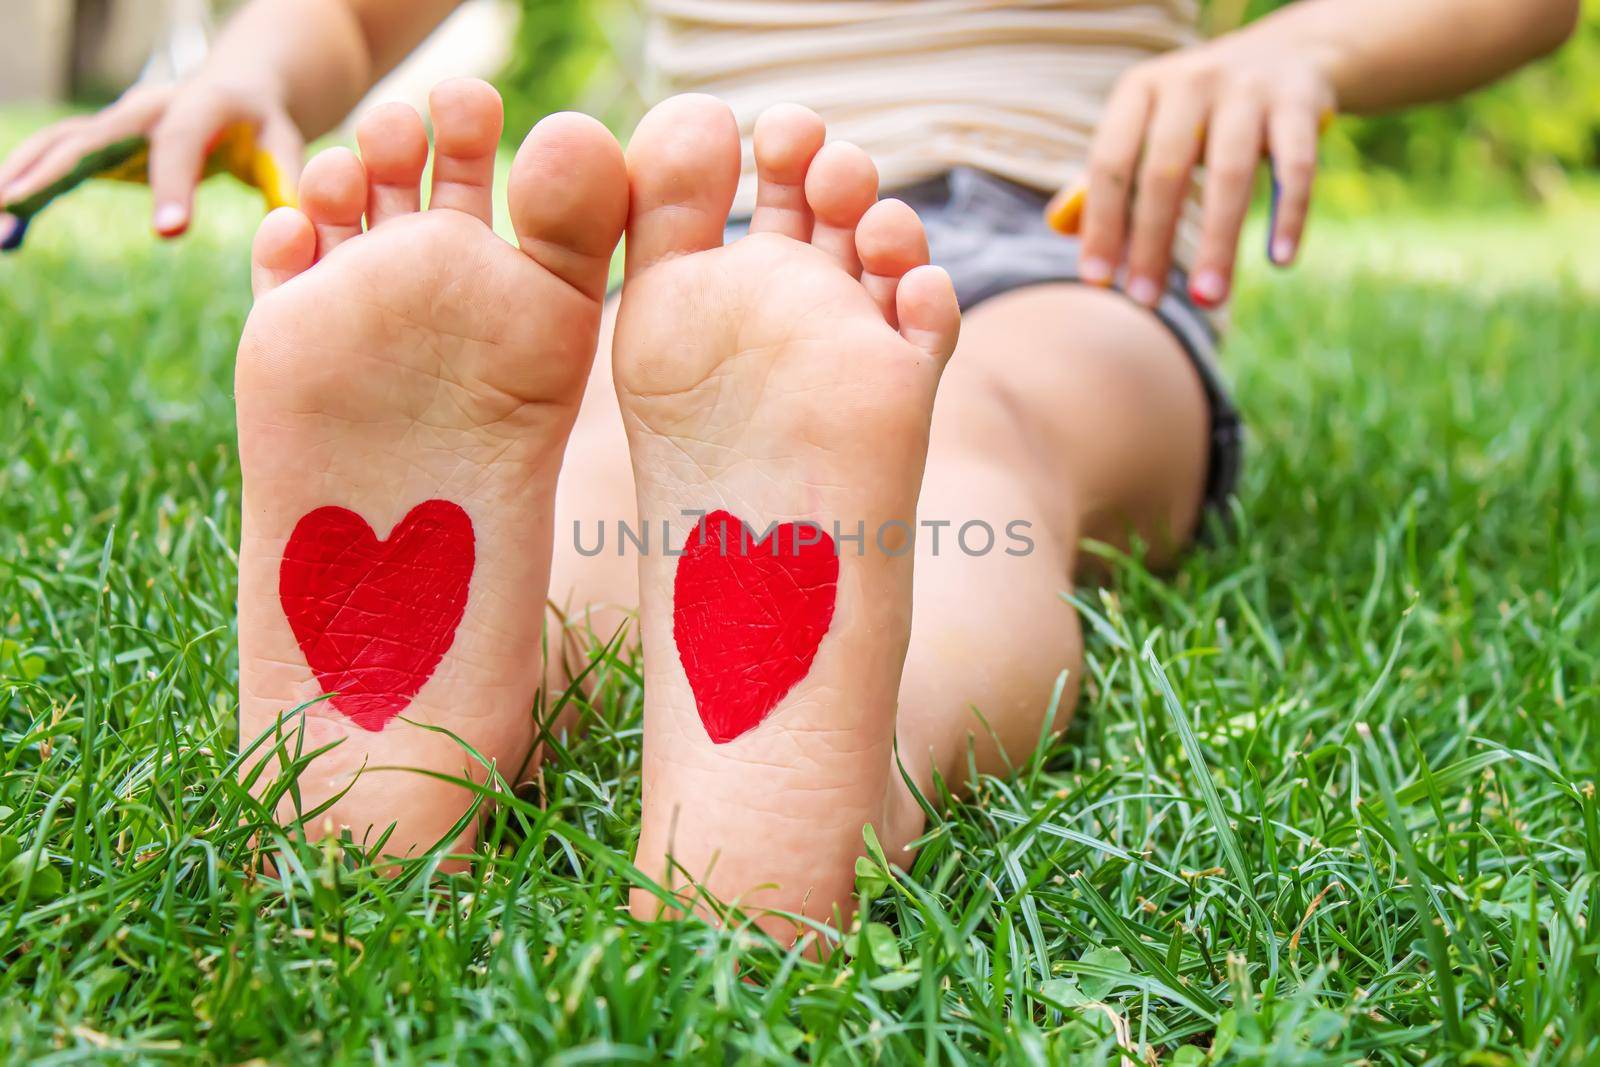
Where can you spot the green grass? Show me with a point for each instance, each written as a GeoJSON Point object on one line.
{"type": "Point", "coordinates": [1329, 796]}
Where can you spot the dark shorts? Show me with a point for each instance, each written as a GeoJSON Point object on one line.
{"type": "Point", "coordinates": [991, 236]}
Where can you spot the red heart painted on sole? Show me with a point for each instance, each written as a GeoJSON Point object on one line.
{"type": "Point", "coordinates": [748, 615]}
{"type": "Point", "coordinates": [374, 618]}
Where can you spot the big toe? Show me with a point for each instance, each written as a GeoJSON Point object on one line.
{"type": "Point", "coordinates": [683, 168]}
{"type": "Point", "coordinates": [569, 199]}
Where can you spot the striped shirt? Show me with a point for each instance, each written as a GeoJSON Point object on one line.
{"type": "Point", "coordinates": [1014, 88]}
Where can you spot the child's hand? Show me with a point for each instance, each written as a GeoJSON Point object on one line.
{"type": "Point", "coordinates": [183, 122]}
{"type": "Point", "coordinates": [1226, 104]}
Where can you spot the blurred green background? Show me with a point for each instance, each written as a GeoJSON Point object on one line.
{"type": "Point", "coordinates": [1535, 135]}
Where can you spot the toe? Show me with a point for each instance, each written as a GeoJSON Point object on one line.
{"type": "Point", "coordinates": [787, 137]}
{"type": "Point", "coordinates": [925, 302]}
{"type": "Point", "coordinates": [841, 184]}
{"type": "Point", "coordinates": [285, 245]}
{"type": "Point", "coordinates": [683, 167]}
{"type": "Point", "coordinates": [889, 242]}
{"type": "Point", "coordinates": [569, 199]}
{"type": "Point", "coordinates": [394, 149]}
{"type": "Point", "coordinates": [467, 120]}
{"type": "Point", "coordinates": [333, 194]}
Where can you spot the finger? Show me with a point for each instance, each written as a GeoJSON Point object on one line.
{"type": "Point", "coordinates": [66, 151]}
{"type": "Point", "coordinates": [1292, 143]}
{"type": "Point", "coordinates": [48, 155]}
{"type": "Point", "coordinates": [1112, 158]}
{"type": "Point", "coordinates": [178, 148]}
{"type": "Point", "coordinates": [57, 160]}
{"type": "Point", "coordinates": [1171, 151]}
{"type": "Point", "coordinates": [1233, 150]}
{"type": "Point", "coordinates": [23, 158]}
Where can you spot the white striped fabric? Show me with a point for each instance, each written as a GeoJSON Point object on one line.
{"type": "Point", "coordinates": [1014, 88]}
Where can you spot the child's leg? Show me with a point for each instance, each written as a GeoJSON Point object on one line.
{"type": "Point", "coordinates": [1065, 409]}
{"type": "Point", "coordinates": [1070, 409]}
{"type": "Point", "coordinates": [594, 588]}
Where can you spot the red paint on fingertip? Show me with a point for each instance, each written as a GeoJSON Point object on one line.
{"type": "Point", "coordinates": [171, 220]}
{"type": "Point", "coordinates": [374, 618]}
{"type": "Point", "coordinates": [748, 616]}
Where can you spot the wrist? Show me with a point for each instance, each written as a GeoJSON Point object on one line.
{"type": "Point", "coordinates": [1332, 65]}
{"type": "Point", "coordinates": [1321, 65]}
{"type": "Point", "coordinates": [247, 78]}
{"type": "Point", "coordinates": [1307, 41]}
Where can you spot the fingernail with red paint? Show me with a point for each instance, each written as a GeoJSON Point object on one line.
{"type": "Point", "coordinates": [1208, 287]}
{"type": "Point", "coordinates": [171, 220]}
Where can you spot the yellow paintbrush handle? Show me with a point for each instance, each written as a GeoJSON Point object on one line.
{"type": "Point", "coordinates": [235, 153]}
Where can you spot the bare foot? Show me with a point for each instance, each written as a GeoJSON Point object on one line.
{"type": "Point", "coordinates": [772, 380]}
{"type": "Point", "coordinates": [404, 397]}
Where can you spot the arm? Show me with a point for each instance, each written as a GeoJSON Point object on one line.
{"type": "Point", "coordinates": [1379, 55]}
{"type": "Point", "coordinates": [318, 58]}
{"type": "Point", "coordinates": [1266, 89]}
{"type": "Point", "coordinates": [290, 68]}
